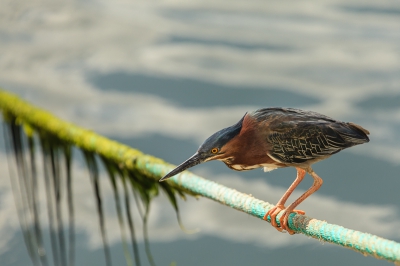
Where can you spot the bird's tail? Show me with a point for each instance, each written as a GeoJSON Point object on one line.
{"type": "Point", "coordinates": [362, 132]}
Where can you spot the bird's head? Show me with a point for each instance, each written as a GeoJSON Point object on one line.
{"type": "Point", "coordinates": [214, 148]}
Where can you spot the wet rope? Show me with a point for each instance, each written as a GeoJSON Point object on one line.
{"type": "Point", "coordinates": [365, 243]}
{"type": "Point", "coordinates": [155, 168]}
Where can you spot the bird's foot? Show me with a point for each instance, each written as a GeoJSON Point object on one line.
{"type": "Point", "coordinates": [272, 213]}
{"type": "Point", "coordinates": [283, 220]}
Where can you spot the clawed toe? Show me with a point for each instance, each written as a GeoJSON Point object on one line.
{"type": "Point", "coordinates": [283, 220]}
{"type": "Point", "coordinates": [272, 213]}
{"type": "Point", "coordinates": [299, 212]}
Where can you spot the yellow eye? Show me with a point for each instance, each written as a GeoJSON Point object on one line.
{"type": "Point", "coordinates": [214, 150]}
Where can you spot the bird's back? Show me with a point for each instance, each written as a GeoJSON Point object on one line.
{"type": "Point", "coordinates": [299, 137]}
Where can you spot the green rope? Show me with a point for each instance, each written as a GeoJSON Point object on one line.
{"type": "Point", "coordinates": [365, 243]}
{"type": "Point", "coordinates": [155, 168]}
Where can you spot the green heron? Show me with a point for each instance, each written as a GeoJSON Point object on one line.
{"type": "Point", "coordinates": [278, 137]}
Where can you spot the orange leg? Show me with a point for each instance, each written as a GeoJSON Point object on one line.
{"type": "Point", "coordinates": [285, 215]}
{"type": "Point", "coordinates": [281, 203]}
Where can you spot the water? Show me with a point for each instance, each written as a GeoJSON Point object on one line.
{"type": "Point", "coordinates": [163, 76]}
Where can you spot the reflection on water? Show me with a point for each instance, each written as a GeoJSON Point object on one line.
{"type": "Point", "coordinates": [164, 76]}
{"type": "Point", "coordinates": [198, 94]}
{"type": "Point", "coordinates": [386, 103]}
{"type": "Point", "coordinates": [243, 45]}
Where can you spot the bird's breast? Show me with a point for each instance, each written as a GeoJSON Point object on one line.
{"type": "Point", "coordinates": [243, 167]}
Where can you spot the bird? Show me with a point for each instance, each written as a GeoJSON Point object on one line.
{"type": "Point", "coordinates": [277, 137]}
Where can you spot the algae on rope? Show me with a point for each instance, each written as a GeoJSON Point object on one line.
{"type": "Point", "coordinates": [141, 173]}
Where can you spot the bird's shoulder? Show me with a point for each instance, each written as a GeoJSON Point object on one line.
{"type": "Point", "coordinates": [287, 117]}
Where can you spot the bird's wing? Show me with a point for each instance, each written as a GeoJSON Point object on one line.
{"type": "Point", "coordinates": [301, 141]}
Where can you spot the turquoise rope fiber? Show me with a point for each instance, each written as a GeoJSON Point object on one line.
{"type": "Point", "coordinates": [155, 168]}
{"type": "Point", "coordinates": [365, 243]}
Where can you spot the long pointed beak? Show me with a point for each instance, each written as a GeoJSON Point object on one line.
{"type": "Point", "coordinates": [192, 161]}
